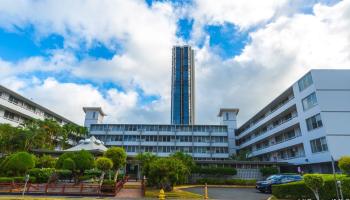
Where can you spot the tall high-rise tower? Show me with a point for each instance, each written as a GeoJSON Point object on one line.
{"type": "Point", "coordinates": [182, 85]}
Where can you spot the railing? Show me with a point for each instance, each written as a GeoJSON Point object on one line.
{"type": "Point", "coordinates": [82, 189]}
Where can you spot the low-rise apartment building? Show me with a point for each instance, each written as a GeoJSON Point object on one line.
{"type": "Point", "coordinates": [308, 125]}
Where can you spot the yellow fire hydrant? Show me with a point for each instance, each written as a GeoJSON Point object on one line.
{"type": "Point", "coordinates": [206, 191]}
{"type": "Point", "coordinates": [161, 194]}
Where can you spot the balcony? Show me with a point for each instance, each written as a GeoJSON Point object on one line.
{"type": "Point", "coordinates": [286, 124]}
{"type": "Point", "coordinates": [268, 117]}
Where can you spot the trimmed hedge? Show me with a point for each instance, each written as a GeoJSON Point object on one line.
{"type": "Point", "coordinates": [16, 179]}
{"type": "Point", "coordinates": [6, 180]}
{"type": "Point", "coordinates": [41, 175]}
{"type": "Point", "coordinates": [215, 170]}
{"type": "Point", "coordinates": [212, 181]}
{"type": "Point", "coordinates": [298, 190]}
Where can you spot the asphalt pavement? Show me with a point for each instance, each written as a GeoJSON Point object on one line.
{"type": "Point", "coordinates": [231, 193]}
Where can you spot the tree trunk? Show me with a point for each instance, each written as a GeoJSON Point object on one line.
{"type": "Point", "coordinates": [101, 178]}
{"type": "Point", "coordinates": [116, 176]}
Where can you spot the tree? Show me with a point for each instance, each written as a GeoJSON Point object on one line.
{"type": "Point", "coordinates": [19, 163]}
{"type": "Point", "coordinates": [344, 164]}
{"type": "Point", "coordinates": [118, 157]}
{"type": "Point", "coordinates": [167, 172]}
{"type": "Point", "coordinates": [12, 139]}
{"type": "Point", "coordinates": [185, 159]}
{"type": "Point", "coordinates": [145, 161]}
{"type": "Point", "coordinates": [315, 183]}
{"type": "Point", "coordinates": [46, 161]}
{"type": "Point", "coordinates": [69, 164]}
{"type": "Point", "coordinates": [83, 160]}
{"type": "Point", "coordinates": [104, 164]}
{"type": "Point", "coordinates": [59, 163]}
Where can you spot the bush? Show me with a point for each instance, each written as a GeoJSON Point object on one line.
{"type": "Point", "coordinates": [84, 160]}
{"type": "Point", "coordinates": [212, 181]}
{"type": "Point", "coordinates": [298, 190]}
{"type": "Point", "coordinates": [267, 171]}
{"type": "Point", "coordinates": [41, 175]}
{"type": "Point", "coordinates": [344, 164]}
{"type": "Point", "coordinates": [6, 180]}
{"type": "Point", "coordinates": [64, 174]}
{"type": "Point", "coordinates": [93, 172]}
{"type": "Point", "coordinates": [315, 183]}
{"type": "Point", "coordinates": [68, 164]}
{"type": "Point", "coordinates": [59, 163]}
{"type": "Point", "coordinates": [215, 170]}
{"type": "Point", "coordinates": [45, 161]}
{"type": "Point", "coordinates": [19, 163]}
{"type": "Point", "coordinates": [21, 179]}
{"type": "Point", "coordinates": [104, 164]}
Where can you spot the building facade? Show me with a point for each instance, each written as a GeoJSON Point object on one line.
{"type": "Point", "coordinates": [307, 125]}
{"type": "Point", "coordinates": [16, 109]}
{"type": "Point", "coordinates": [182, 86]}
{"type": "Point", "coordinates": [203, 142]}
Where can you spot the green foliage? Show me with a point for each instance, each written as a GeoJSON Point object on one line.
{"type": "Point", "coordinates": [93, 172]}
{"type": "Point", "coordinates": [242, 155]}
{"type": "Point", "coordinates": [218, 181]}
{"type": "Point", "coordinates": [185, 159]}
{"type": "Point", "coordinates": [36, 134]}
{"type": "Point", "coordinates": [299, 190]}
{"type": "Point", "coordinates": [6, 180]}
{"type": "Point", "coordinates": [117, 155]}
{"type": "Point", "coordinates": [69, 164]}
{"type": "Point", "coordinates": [45, 161]}
{"type": "Point", "coordinates": [19, 163]}
{"type": "Point", "coordinates": [84, 160]}
{"type": "Point", "coordinates": [64, 174]}
{"type": "Point", "coordinates": [167, 172]}
{"type": "Point", "coordinates": [314, 182]}
{"type": "Point", "coordinates": [215, 170]}
{"type": "Point", "coordinates": [104, 164]}
{"type": "Point", "coordinates": [59, 163]}
{"type": "Point", "coordinates": [145, 161]}
{"type": "Point", "coordinates": [21, 179]}
{"type": "Point", "coordinates": [267, 171]}
{"type": "Point", "coordinates": [344, 164]}
{"type": "Point", "coordinates": [41, 175]}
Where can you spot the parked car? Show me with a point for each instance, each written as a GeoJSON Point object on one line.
{"type": "Point", "coordinates": [266, 186]}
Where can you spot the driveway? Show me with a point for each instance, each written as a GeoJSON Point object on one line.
{"type": "Point", "coordinates": [231, 193]}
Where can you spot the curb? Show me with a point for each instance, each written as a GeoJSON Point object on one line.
{"type": "Point", "coordinates": [215, 186]}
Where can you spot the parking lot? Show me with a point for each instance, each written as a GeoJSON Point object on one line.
{"type": "Point", "coordinates": [231, 193]}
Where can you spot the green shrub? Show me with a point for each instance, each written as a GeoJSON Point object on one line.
{"type": "Point", "coordinates": [22, 179]}
{"type": "Point", "coordinates": [6, 180]}
{"type": "Point", "coordinates": [93, 172]}
{"type": "Point", "coordinates": [267, 171]}
{"type": "Point", "coordinates": [45, 161]}
{"type": "Point", "coordinates": [64, 174]}
{"type": "Point", "coordinates": [59, 162]}
{"type": "Point", "coordinates": [344, 164]}
{"type": "Point", "coordinates": [215, 170]}
{"type": "Point", "coordinates": [212, 181]}
{"type": "Point", "coordinates": [104, 164]}
{"type": "Point", "coordinates": [298, 190]}
{"type": "Point", "coordinates": [69, 164]}
{"type": "Point", "coordinates": [315, 183]}
{"type": "Point", "coordinates": [19, 163]}
{"type": "Point", "coordinates": [41, 175]}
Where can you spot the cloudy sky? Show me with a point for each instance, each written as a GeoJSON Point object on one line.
{"type": "Point", "coordinates": [117, 53]}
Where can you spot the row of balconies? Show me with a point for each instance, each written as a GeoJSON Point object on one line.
{"type": "Point", "coordinates": [160, 133]}
{"type": "Point", "coordinates": [204, 144]}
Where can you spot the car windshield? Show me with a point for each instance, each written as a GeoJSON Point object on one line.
{"type": "Point", "coordinates": [273, 177]}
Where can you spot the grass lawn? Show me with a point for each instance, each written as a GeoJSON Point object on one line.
{"type": "Point", "coordinates": [175, 194]}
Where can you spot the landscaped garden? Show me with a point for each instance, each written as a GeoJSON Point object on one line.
{"type": "Point", "coordinates": [319, 186]}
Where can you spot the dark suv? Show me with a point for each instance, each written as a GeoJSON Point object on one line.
{"type": "Point", "coordinates": [266, 186]}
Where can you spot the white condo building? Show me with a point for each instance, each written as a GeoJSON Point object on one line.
{"type": "Point", "coordinates": [15, 109]}
{"type": "Point", "coordinates": [307, 125]}
{"type": "Point", "coordinates": [211, 142]}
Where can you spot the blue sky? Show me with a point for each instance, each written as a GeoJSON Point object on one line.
{"type": "Point", "coordinates": [117, 54]}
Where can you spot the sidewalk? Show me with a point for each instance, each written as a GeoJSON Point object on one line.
{"type": "Point", "coordinates": [131, 190]}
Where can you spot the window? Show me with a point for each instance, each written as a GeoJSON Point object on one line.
{"type": "Point", "coordinates": [305, 82]}
{"type": "Point", "coordinates": [94, 115]}
{"type": "Point", "coordinates": [319, 145]}
{"type": "Point", "coordinates": [309, 101]}
{"type": "Point", "coordinates": [314, 122]}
